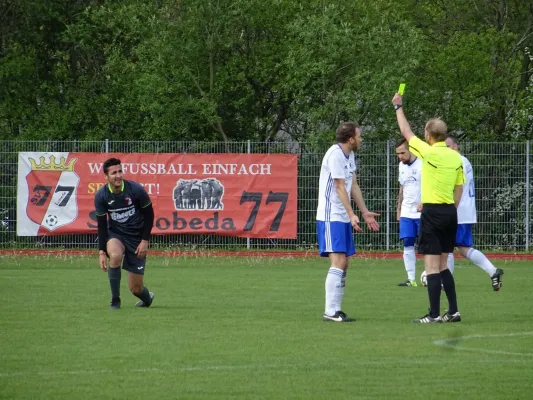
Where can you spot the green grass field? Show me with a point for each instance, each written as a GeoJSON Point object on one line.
{"type": "Point", "coordinates": [251, 328]}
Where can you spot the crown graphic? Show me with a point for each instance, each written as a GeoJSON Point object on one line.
{"type": "Point", "coordinates": [52, 165]}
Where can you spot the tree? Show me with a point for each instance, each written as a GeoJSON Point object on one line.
{"type": "Point", "coordinates": [218, 70]}
{"type": "Point", "coordinates": [477, 65]}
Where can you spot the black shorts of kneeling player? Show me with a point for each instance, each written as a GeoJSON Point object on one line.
{"type": "Point", "coordinates": [130, 262]}
{"type": "Point", "coordinates": [438, 225]}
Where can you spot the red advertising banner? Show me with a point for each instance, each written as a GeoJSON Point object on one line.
{"type": "Point", "coordinates": [248, 195]}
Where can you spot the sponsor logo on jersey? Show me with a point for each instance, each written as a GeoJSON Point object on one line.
{"type": "Point", "coordinates": [122, 216]}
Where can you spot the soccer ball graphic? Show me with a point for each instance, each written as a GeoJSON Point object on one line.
{"type": "Point", "coordinates": [424, 278]}
{"type": "Point", "coordinates": [51, 220]}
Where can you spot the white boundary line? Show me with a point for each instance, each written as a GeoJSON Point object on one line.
{"type": "Point", "coordinates": [199, 368]}
{"type": "Point", "coordinates": [453, 343]}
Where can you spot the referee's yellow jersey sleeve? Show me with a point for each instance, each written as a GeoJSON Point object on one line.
{"type": "Point", "coordinates": [418, 147]}
{"type": "Point", "coordinates": [460, 175]}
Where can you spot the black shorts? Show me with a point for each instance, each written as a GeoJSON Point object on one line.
{"type": "Point", "coordinates": [130, 262]}
{"type": "Point", "coordinates": [438, 225]}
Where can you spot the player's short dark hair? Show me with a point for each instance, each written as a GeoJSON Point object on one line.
{"type": "Point", "coordinates": [110, 162]}
{"type": "Point", "coordinates": [345, 131]}
{"type": "Point", "coordinates": [402, 142]}
{"type": "Point", "coordinates": [453, 139]}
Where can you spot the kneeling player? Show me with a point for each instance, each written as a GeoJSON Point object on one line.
{"type": "Point", "coordinates": [126, 240]}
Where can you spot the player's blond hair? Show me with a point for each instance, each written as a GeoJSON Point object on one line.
{"type": "Point", "coordinates": [437, 129]}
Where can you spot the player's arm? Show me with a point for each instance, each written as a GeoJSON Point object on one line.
{"type": "Point", "coordinates": [345, 200]}
{"type": "Point", "coordinates": [405, 128]}
{"type": "Point", "coordinates": [457, 194]}
{"type": "Point", "coordinates": [101, 222]}
{"type": "Point", "coordinates": [459, 181]}
{"type": "Point", "coordinates": [399, 203]}
{"type": "Point", "coordinates": [147, 212]}
{"type": "Point", "coordinates": [357, 196]}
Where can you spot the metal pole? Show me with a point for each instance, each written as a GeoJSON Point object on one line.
{"type": "Point", "coordinates": [387, 247]}
{"type": "Point", "coordinates": [249, 150]}
{"type": "Point", "coordinates": [528, 146]}
{"type": "Point", "coordinates": [107, 145]}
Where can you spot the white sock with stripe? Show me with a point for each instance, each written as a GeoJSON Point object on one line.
{"type": "Point", "coordinates": [339, 292]}
{"type": "Point", "coordinates": [409, 259]}
{"type": "Point", "coordinates": [333, 290]}
{"type": "Point", "coordinates": [478, 258]}
{"type": "Point", "coordinates": [451, 262]}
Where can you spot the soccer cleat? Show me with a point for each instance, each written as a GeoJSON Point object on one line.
{"type": "Point", "coordinates": [497, 279]}
{"type": "Point", "coordinates": [427, 319]}
{"type": "Point", "coordinates": [115, 304]}
{"type": "Point", "coordinates": [338, 317]}
{"type": "Point", "coordinates": [141, 303]}
{"type": "Point", "coordinates": [408, 282]}
{"type": "Point", "coordinates": [447, 317]}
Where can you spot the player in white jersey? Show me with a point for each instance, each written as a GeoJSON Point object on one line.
{"type": "Point", "coordinates": [335, 216]}
{"type": "Point", "coordinates": [466, 217]}
{"type": "Point", "coordinates": [407, 213]}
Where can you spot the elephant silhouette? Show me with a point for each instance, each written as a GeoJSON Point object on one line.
{"type": "Point", "coordinates": [186, 193]}
{"type": "Point", "coordinates": [207, 194]}
{"type": "Point", "coordinates": [217, 193]}
{"type": "Point", "coordinates": [178, 194]}
{"type": "Point", "coordinates": [196, 194]}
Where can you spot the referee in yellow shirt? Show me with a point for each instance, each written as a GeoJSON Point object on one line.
{"type": "Point", "coordinates": [442, 187]}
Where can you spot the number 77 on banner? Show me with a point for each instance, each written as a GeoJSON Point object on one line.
{"type": "Point", "coordinates": [256, 198]}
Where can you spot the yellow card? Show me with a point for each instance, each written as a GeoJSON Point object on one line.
{"type": "Point", "coordinates": [401, 89]}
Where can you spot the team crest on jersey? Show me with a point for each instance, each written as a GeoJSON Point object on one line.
{"type": "Point", "coordinates": [198, 194]}
{"type": "Point", "coordinates": [128, 201]}
{"type": "Point", "coordinates": [52, 185]}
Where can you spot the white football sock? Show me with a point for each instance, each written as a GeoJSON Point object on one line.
{"type": "Point", "coordinates": [339, 292]}
{"type": "Point", "coordinates": [409, 260]}
{"type": "Point", "coordinates": [451, 262]}
{"type": "Point", "coordinates": [333, 290]}
{"type": "Point", "coordinates": [478, 258]}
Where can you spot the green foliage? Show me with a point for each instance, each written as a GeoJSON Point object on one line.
{"type": "Point", "coordinates": [249, 69]}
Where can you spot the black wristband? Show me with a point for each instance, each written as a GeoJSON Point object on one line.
{"type": "Point", "coordinates": [397, 107]}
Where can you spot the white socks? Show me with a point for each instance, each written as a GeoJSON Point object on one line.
{"type": "Point", "coordinates": [451, 262]}
{"type": "Point", "coordinates": [335, 282]}
{"type": "Point", "coordinates": [478, 258]}
{"type": "Point", "coordinates": [409, 260]}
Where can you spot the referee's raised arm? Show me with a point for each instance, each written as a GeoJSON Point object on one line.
{"type": "Point", "coordinates": [405, 128]}
{"type": "Point", "coordinates": [442, 181]}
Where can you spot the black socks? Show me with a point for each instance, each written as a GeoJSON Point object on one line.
{"type": "Point", "coordinates": [145, 296]}
{"type": "Point", "coordinates": [449, 287]}
{"type": "Point", "coordinates": [114, 282]}
{"type": "Point", "coordinates": [434, 289]}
